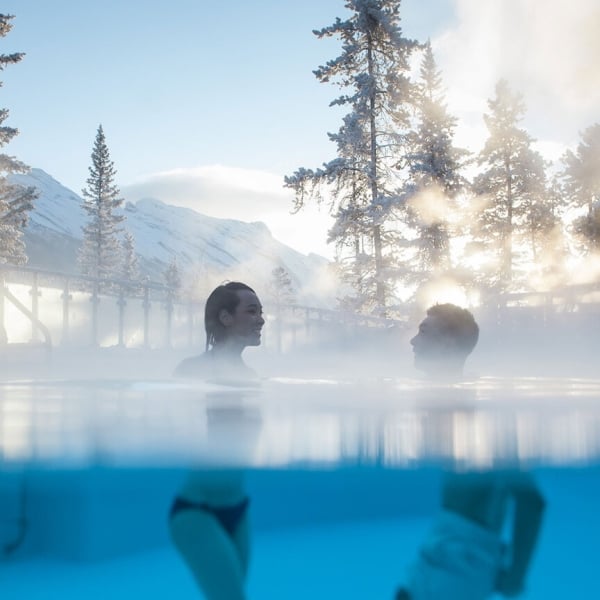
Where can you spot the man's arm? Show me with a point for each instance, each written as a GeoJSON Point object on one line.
{"type": "Point", "coordinates": [529, 509]}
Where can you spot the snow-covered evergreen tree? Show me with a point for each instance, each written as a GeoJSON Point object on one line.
{"type": "Point", "coordinates": [512, 184]}
{"type": "Point", "coordinates": [434, 165]}
{"type": "Point", "coordinates": [280, 287]}
{"type": "Point", "coordinates": [100, 252]}
{"type": "Point", "coordinates": [581, 176]}
{"type": "Point", "coordinates": [172, 278]}
{"type": "Point", "coordinates": [129, 261]}
{"type": "Point", "coordinates": [373, 74]}
{"type": "Point", "coordinates": [15, 201]}
{"type": "Point", "coordinates": [281, 294]}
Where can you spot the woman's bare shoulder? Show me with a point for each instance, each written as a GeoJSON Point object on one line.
{"type": "Point", "coordinates": [194, 367]}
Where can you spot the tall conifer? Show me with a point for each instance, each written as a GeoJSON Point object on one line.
{"type": "Point", "coordinates": [582, 185]}
{"type": "Point", "coordinates": [100, 253]}
{"type": "Point", "coordinates": [129, 262]}
{"type": "Point", "coordinates": [372, 72]}
{"type": "Point", "coordinates": [513, 182]}
{"type": "Point", "coordinates": [15, 201]}
{"type": "Point", "coordinates": [434, 166]}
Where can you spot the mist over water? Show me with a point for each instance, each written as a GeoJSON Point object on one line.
{"type": "Point", "coordinates": [485, 422]}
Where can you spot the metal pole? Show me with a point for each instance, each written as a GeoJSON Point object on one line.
{"type": "Point", "coordinates": [169, 309]}
{"type": "Point", "coordinates": [35, 294]}
{"type": "Point", "coordinates": [95, 301]}
{"type": "Point", "coordinates": [3, 334]}
{"type": "Point", "coordinates": [121, 302]}
{"type": "Point", "coordinates": [146, 305]}
{"type": "Point", "coordinates": [66, 297]}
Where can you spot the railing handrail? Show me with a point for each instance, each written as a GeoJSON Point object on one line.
{"type": "Point", "coordinates": [88, 278]}
{"type": "Point", "coordinates": [23, 309]}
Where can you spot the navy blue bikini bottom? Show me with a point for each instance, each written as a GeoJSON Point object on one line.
{"type": "Point", "coordinates": [228, 516]}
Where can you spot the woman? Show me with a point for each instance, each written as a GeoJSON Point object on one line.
{"type": "Point", "coordinates": [232, 320]}
{"type": "Point", "coordinates": [208, 519]}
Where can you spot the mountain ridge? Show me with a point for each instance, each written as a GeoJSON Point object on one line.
{"type": "Point", "coordinates": [209, 248]}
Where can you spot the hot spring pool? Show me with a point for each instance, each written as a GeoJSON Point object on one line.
{"type": "Point", "coordinates": [344, 479]}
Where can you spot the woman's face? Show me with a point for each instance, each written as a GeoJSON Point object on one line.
{"type": "Point", "coordinates": [245, 324]}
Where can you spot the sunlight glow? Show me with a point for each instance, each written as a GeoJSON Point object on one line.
{"type": "Point", "coordinates": [446, 290]}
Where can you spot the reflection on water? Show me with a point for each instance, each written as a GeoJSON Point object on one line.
{"type": "Point", "coordinates": [484, 423]}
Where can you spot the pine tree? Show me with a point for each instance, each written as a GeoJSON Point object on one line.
{"type": "Point", "coordinates": [100, 253]}
{"type": "Point", "coordinates": [581, 175]}
{"type": "Point", "coordinates": [281, 288]}
{"type": "Point", "coordinates": [372, 72]}
{"type": "Point", "coordinates": [129, 262]}
{"type": "Point", "coordinates": [15, 201]}
{"type": "Point", "coordinates": [513, 181]}
{"type": "Point", "coordinates": [434, 166]}
{"type": "Point", "coordinates": [281, 294]}
{"type": "Point", "coordinates": [172, 279]}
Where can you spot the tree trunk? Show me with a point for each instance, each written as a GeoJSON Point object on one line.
{"type": "Point", "coordinates": [377, 245]}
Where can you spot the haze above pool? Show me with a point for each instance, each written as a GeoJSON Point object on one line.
{"type": "Point", "coordinates": [487, 422]}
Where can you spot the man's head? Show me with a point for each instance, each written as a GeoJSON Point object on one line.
{"type": "Point", "coordinates": [445, 338]}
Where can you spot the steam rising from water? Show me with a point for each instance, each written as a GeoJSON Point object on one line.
{"type": "Point", "coordinates": [546, 50]}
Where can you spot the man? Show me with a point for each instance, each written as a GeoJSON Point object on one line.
{"type": "Point", "coordinates": [464, 556]}
{"type": "Point", "coordinates": [444, 341]}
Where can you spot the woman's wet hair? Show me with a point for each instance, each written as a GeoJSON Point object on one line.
{"type": "Point", "coordinates": [224, 297]}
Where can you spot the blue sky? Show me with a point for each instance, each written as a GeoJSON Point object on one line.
{"type": "Point", "coordinates": [209, 104]}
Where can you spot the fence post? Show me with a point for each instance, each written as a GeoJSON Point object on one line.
{"type": "Point", "coordinates": [95, 300]}
{"type": "Point", "coordinates": [146, 305]}
{"type": "Point", "coordinates": [278, 326]}
{"type": "Point", "coordinates": [121, 302]}
{"type": "Point", "coordinates": [66, 297]}
{"type": "Point", "coordinates": [3, 335]}
{"type": "Point", "coordinates": [307, 323]}
{"type": "Point", "coordinates": [190, 324]}
{"type": "Point", "coordinates": [169, 309]}
{"type": "Point", "coordinates": [35, 294]}
{"type": "Point", "coordinates": [294, 328]}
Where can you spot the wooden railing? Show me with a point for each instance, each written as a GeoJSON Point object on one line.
{"type": "Point", "coordinates": [114, 294]}
{"type": "Point", "coordinates": [73, 310]}
{"type": "Point", "coordinates": [61, 309]}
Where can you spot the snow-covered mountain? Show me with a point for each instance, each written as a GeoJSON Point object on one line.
{"type": "Point", "coordinates": [216, 249]}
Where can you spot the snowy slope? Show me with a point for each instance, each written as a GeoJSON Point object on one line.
{"type": "Point", "coordinates": [222, 248]}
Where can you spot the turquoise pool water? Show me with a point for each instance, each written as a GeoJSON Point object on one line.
{"type": "Point", "coordinates": [344, 479]}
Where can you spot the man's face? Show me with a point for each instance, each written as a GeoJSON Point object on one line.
{"type": "Point", "coordinates": [247, 320]}
{"type": "Point", "coordinates": [431, 346]}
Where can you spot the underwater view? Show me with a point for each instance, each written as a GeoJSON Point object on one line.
{"type": "Point", "coordinates": [299, 300]}
{"type": "Point", "coordinates": [346, 484]}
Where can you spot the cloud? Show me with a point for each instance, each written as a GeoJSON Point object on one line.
{"type": "Point", "coordinates": [546, 50]}
{"type": "Point", "coordinates": [242, 194]}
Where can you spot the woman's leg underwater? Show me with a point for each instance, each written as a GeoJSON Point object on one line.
{"type": "Point", "coordinates": [210, 554]}
{"type": "Point", "coordinates": [241, 539]}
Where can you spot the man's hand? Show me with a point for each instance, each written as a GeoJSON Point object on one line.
{"type": "Point", "coordinates": [508, 584]}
